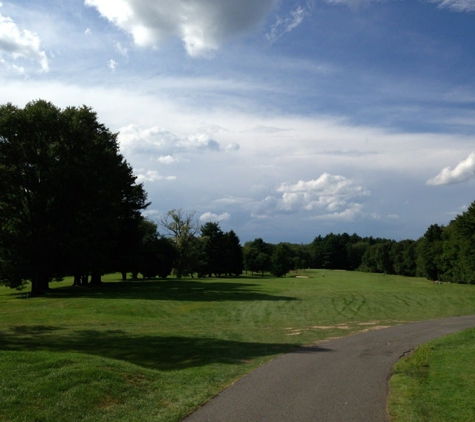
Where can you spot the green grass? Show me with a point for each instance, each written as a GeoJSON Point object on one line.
{"type": "Point", "coordinates": [155, 350]}
{"type": "Point", "coordinates": [437, 382]}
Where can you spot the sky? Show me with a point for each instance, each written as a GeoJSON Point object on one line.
{"type": "Point", "coordinates": [278, 119]}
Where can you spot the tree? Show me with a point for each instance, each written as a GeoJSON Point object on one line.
{"type": "Point", "coordinates": [233, 257]}
{"type": "Point", "coordinates": [281, 260]}
{"type": "Point", "coordinates": [403, 257]}
{"type": "Point", "coordinates": [182, 228]}
{"type": "Point", "coordinates": [257, 256]}
{"type": "Point", "coordinates": [214, 249]}
{"type": "Point", "coordinates": [65, 194]}
{"type": "Point", "coordinates": [429, 251]}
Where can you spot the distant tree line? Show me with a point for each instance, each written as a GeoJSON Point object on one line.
{"type": "Point", "coordinates": [445, 253]}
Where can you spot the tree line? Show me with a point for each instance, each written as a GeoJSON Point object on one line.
{"type": "Point", "coordinates": [70, 205]}
{"type": "Point", "coordinates": [444, 253]}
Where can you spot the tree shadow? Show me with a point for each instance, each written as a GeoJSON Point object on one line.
{"type": "Point", "coordinates": [187, 290]}
{"type": "Point", "coordinates": [149, 351]}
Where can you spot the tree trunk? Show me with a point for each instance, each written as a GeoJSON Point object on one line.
{"type": "Point", "coordinates": [77, 280]}
{"type": "Point", "coordinates": [84, 279]}
{"type": "Point", "coordinates": [39, 284]}
{"type": "Point", "coordinates": [36, 287]}
{"type": "Point", "coordinates": [96, 278]}
{"type": "Point", "coordinates": [124, 275]}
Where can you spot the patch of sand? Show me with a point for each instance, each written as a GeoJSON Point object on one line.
{"type": "Point", "coordinates": [331, 327]}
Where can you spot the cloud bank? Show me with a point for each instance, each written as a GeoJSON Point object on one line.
{"type": "Point", "coordinates": [464, 171]}
{"type": "Point", "coordinates": [20, 44]}
{"type": "Point", "coordinates": [167, 147]}
{"type": "Point", "coordinates": [202, 25]}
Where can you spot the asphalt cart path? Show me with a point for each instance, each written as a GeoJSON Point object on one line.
{"type": "Point", "coordinates": [345, 379]}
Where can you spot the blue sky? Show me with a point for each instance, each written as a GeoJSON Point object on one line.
{"type": "Point", "coordinates": [278, 119]}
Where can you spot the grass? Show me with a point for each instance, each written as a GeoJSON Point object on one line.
{"type": "Point", "coordinates": [437, 382]}
{"type": "Point", "coordinates": [155, 350]}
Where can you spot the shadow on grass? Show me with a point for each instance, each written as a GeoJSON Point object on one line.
{"type": "Point", "coordinates": [164, 353]}
{"type": "Point", "coordinates": [199, 291]}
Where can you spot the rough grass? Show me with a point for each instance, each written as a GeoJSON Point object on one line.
{"type": "Point", "coordinates": [155, 350]}
{"type": "Point", "coordinates": [437, 382]}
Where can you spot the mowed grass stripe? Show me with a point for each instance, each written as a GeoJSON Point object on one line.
{"type": "Point", "coordinates": [186, 340]}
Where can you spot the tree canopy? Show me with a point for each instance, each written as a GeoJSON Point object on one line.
{"type": "Point", "coordinates": [67, 196]}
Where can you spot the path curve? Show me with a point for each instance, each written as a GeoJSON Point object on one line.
{"type": "Point", "coordinates": [345, 379]}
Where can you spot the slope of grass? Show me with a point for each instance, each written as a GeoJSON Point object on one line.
{"type": "Point", "coordinates": [437, 382]}
{"type": "Point", "coordinates": [155, 350]}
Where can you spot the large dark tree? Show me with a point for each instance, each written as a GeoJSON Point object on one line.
{"type": "Point", "coordinates": [220, 253]}
{"type": "Point", "coordinates": [66, 195]}
{"type": "Point", "coordinates": [233, 256]}
{"type": "Point", "coordinates": [429, 252]}
{"type": "Point", "coordinates": [213, 249]}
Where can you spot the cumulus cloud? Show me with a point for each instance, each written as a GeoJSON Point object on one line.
{"type": "Point", "coordinates": [328, 192]}
{"type": "Point", "coordinates": [152, 176]}
{"type": "Point", "coordinates": [20, 44]}
{"type": "Point", "coordinates": [208, 216]}
{"type": "Point", "coordinates": [165, 146]}
{"type": "Point", "coordinates": [352, 212]}
{"type": "Point", "coordinates": [202, 25]}
{"type": "Point", "coordinates": [289, 23]}
{"type": "Point", "coordinates": [330, 197]}
{"type": "Point", "coordinates": [464, 171]}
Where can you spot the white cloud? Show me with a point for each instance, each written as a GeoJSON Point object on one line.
{"type": "Point", "coordinates": [289, 23]}
{"type": "Point", "coordinates": [232, 147]}
{"type": "Point", "coordinates": [112, 64]}
{"type": "Point", "coordinates": [208, 216]}
{"type": "Point", "coordinates": [123, 51]}
{"type": "Point", "coordinates": [328, 192]}
{"type": "Point", "coordinates": [352, 212]}
{"type": "Point", "coordinates": [168, 159]}
{"type": "Point", "coordinates": [167, 147]}
{"type": "Point", "coordinates": [464, 171]}
{"type": "Point", "coordinates": [352, 2]}
{"type": "Point", "coordinates": [202, 25]}
{"type": "Point", "coordinates": [201, 142]}
{"type": "Point", "coordinates": [20, 44]}
{"type": "Point", "coordinates": [457, 5]}
{"type": "Point", "coordinates": [330, 197]}
{"type": "Point", "coordinates": [152, 176]}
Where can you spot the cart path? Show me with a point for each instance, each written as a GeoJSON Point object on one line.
{"type": "Point", "coordinates": [345, 379]}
